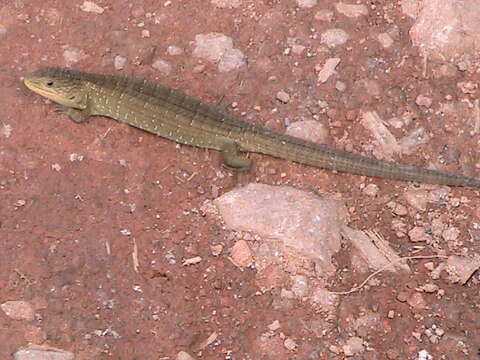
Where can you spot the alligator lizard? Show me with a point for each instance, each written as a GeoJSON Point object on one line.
{"type": "Point", "coordinates": [168, 113]}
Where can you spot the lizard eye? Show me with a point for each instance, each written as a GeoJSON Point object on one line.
{"type": "Point", "coordinates": [50, 83]}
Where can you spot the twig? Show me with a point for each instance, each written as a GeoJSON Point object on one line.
{"type": "Point", "coordinates": [356, 288]}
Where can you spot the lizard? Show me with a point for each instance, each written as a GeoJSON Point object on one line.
{"type": "Point", "coordinates": [171, 114]}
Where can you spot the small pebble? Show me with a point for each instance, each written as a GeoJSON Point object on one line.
{"type": "Point", "coordinates": [90, 6]}
{"type": "Point", "coordinates": [423, 100]}
{"type": "Point", "coordinates": [393, 354]}
{"type": "Point", "coordinates": [429, 265]}
{"type": "Point", "coordinates": [290, 344]}
{"type": "Point", "coordinates": [324, 15]}
{"type": "Point", "coordinates": [371, 190]}
{"type": "Point", "coordinates": [274, 325]}
{"type": "Point", "coordinates": [119, 62]}
{"type": "Point", "coordinates": [429, 288]}
{"type": "Point", "coordinates": [402, 296]}
{"type": "Point", "coordinates": [182, 355]}
{"type": "Point", "coordinates": [400, 210]}
{"type": "Point", "coordinates": [340, 86]}
{"type": "Point", "coordinates": [162, 66]}
{"type": "Point", "coordinates": [283, 97]}
{"type": "Point", "coordinates": [306, 4]}
{"type": "Point", "coordinates": [174, 50]}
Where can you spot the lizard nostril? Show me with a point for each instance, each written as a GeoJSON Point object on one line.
{"type": "Point", "coordinates": [50, 83]}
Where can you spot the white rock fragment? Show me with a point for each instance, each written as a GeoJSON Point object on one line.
{"type": "Point", "coordinates": [447, 29]}
{"type": "Point", "coordinates": [300, 285]}
{"type": "Point", "coordinates": [308, 227]}
{"type": "Point", "coordinates": [174, 50]}
{"type": "Point", "coordinates": [351, 10]}
{"type": "Point", "coordinates": [328, 69]}
{"type": "Point", "coordinates": [416, 301]}
{"type": "Point", "coordinates": [468, 87]}
{"type": "Point", "coordinates": [162, 66]}
{"type": "Point", "coordinates": [298, 49]}
{"type": "Point", "coordinates": [241, 254]}
{"type": "Point", "coordinates": [75, 157]}
{"type": "Point", "coordinates": [37, 352]}
{"type": "Point", "coordinates": [119, 62]}
{"type": "Point", "coordinates": [306, 4]}
{"type": "Point", "coordinates": [374, 250]}
{"type": "Point", "coordinates": [145, 33]}
{"type": "Point", "coordinates": [424, 355]}
{"type": "Point", "coordinates": [325, 300]}
{"type": "Point", "coordinates": [353, 346]}
{"type": "Point", "coordinates": [385, 40]}
{"type": "Point", "coordinates": [218, 47]}
{"type": "Point", "coordinates": [419, 234]}
{"type": "Point", "coordinates": [283, 96]}
{"type": "Point", "coordinates": [19, 203]}
{"type": "Point", "coordinates": [192, 261]}
{"type": "Point", "coordinates": [386, 144]}
{"type": "Point", "coordinates": [212, 46]}
{"type": "Point", "coordinates": [125, 232]}
{"type": "Point", "coordinates": [436, 272]}
{"type": "Point", "coordinates": [430, 288]}
{"type": "Point", "coordinates": [311, 130]}
{"type": "Point", "coordinates": [226, 4]}
{"type": "Point", "coordinates": [72, 55]}
{"type": "Point", "coordinates": [90, 6]}
{"type": "Point", "coordinates": [423, 100]}
{"type": "Point", "coordinates": [334, 37]}
{"type": "Point", "coordinates": [56, 167]}
{"type": "Point", "coordinates": [289, 344]}
{"type": "Point", "coordinates": [461, 268]}
{"type": "Point", "coordinates": [274, 326]}
{"type": "Point", "coordinates": [182, 355]}
{"type": "Point", "coordinates": [400, 210]}
{"type": "Point", "coordinates": [324, 15]}
{"type": "Point", "coordinates": [451, 234]}
{"type": "Point", "coordinates": [202, 345]}
{"type": "Point", "coordinates": [232, 59]}
{"type": "Point", "coordinates": [18, 310]}
{"type": "Point", "coordinates": [216, 249]}
{"type": "Point", "coordinates": [340, 86]}
{"type": "Point", "coordinates": [371, 190]}
{"type": "Point", "coordinates": [6, 130]}
{"type": "Point", "coordinates": [409, 144]}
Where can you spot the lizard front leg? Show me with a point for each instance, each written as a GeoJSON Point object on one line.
{"type": "Point", "coordinates": [76, 115]}
{"type": "Point", "coordinates": [232, 159]}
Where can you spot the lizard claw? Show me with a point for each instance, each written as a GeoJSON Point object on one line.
{"type": "Point", "coordinates": [60, 109]}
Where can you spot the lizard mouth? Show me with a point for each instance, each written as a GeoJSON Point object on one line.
{"type": "Point", "coordinates": [33, 85]}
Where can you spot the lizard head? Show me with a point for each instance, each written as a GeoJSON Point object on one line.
{"type": "Point", "coordinates": [65, 87]}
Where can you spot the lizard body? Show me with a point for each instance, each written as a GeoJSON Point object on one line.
{"type": "Point", "coordinates": [168, 113]}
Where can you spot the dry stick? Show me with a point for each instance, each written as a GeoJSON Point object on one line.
{"type": "Point", "coordinates": [356, 288]}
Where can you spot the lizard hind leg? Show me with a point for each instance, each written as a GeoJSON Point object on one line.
{"type": "Point", "coordinates": [76, 115]}
{"type": "Point", "coordinates": [233, 159]}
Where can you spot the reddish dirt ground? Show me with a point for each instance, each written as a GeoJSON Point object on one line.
{"type": "Point", "coordinates": [69, 224]}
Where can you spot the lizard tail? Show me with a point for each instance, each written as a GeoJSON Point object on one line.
{"type": "Point", "coordinates": [318, 155]}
